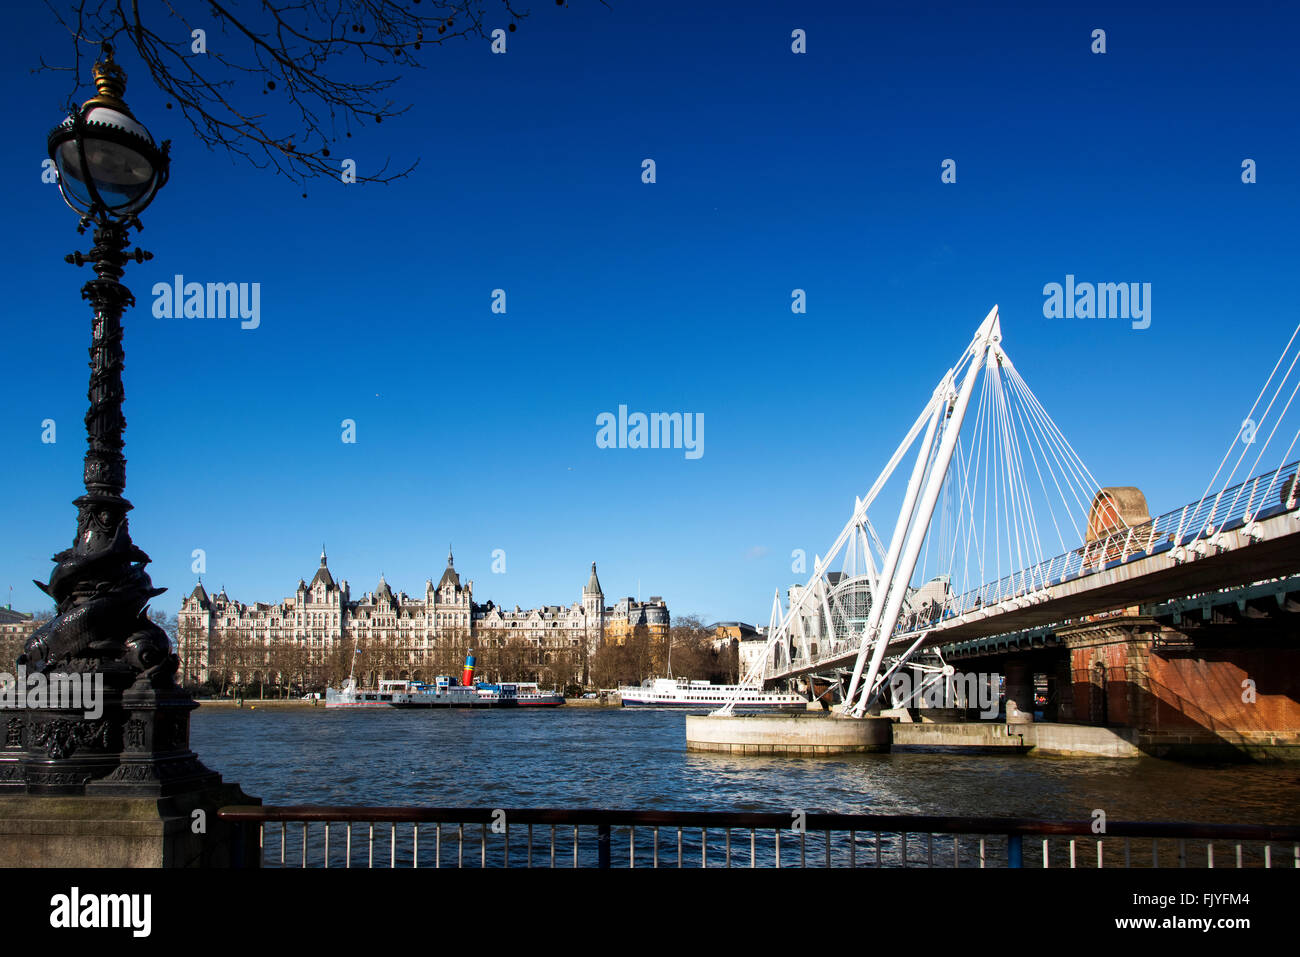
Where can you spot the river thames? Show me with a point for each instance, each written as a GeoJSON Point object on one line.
{"type": "Point", "coordinates": [637, 759]}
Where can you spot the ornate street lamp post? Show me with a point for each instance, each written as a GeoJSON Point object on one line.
{"type": "Point", "coordinates": [109, 171]}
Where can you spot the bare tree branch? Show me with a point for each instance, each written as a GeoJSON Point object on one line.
{"type": "Point", "coordinates": [281, 80]}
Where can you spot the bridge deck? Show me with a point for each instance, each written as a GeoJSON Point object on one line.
{"type": "Point", "coordinates": [1235, 559]}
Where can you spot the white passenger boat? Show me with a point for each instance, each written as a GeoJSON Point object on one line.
{"type": "Point", "coordinates": [702, 695]}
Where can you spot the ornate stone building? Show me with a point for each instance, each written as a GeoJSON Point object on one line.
{"type": "Point", "coordinates": [322, 621]}
{"type": "Point", "coordinates": [15, 628]}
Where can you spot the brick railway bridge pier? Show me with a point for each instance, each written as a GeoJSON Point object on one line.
{"type": "Point", "coordinates": [1214, 677]}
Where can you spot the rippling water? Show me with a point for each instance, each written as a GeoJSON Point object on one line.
{"type": "Point", "coordinates": [619, 758]}
{"type": "Point", "coordinates": [636, 758]}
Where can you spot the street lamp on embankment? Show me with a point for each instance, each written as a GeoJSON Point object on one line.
{"type": "Point", "coordinates": [95, 767]}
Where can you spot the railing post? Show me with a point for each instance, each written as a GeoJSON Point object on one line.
{"type": "Point", "coordinates": [1014, 855]}
{"type": "Point", "coordinates": [602, 846]}
{"type": "Point", "coordinates": [237, 857]}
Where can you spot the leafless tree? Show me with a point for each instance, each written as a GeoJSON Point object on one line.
{"type": "Point", "coordinates": [628, 659]}
{"type": "Point", "coordinates": [276, 82]}
{"type": "Point", "coordinates": [700, 653]}
{"type": "Point", "coordinates": [229, 657]}
{"type": "Point", "coordinates": [339, 663]}
{"type": "Point", "coordinates": [450, 650]}
{"type": "Point", "coordinates": [561, 667]}
{"type": "Point", "coordinates": [167, 623]}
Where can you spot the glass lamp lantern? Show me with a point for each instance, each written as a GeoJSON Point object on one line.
{"type": "Point", "coordinates": [108, 163]}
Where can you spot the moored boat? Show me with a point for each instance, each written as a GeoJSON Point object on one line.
{"type": "Point", "coordinates": [528, 695]}
{"type": "Point", "coordinates": [703, 695]}
{"type": "Point", "coordinates": [445, 691]}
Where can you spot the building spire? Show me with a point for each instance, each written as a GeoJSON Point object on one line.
{"type": "Point", "coordinates": [322, 575]}
{"type": "Point", "coordinates": [449, 576]}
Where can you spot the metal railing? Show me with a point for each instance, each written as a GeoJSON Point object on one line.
{"type": "Point", "coordinates": [1240, 503]}
{"type": "Point", "coordinates": [312, 836]}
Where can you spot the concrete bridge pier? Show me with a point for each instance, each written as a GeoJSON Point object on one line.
{"type": "Point", "coordinates": [807, 733]}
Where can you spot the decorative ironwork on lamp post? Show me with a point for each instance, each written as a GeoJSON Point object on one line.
{"type": "Point", "coordinates": [109, 169]}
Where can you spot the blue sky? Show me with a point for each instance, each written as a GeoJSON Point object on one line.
{"type": "Point", "coordinates": [775, 171]}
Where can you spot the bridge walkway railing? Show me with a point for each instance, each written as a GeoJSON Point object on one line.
{"type": "Point", "coordinates": [1180, 526]}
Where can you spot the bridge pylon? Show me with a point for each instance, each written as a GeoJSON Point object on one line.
{"type": "Point", "coordinates": [988, 479]}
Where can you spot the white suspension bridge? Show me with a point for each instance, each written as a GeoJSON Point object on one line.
{"type": "Point", "coordinates": [1004, 528]}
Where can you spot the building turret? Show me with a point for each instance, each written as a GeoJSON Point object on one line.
{"type": "Point", "coordinates": [323, 576]}
{"type": "Point", "coordinates": [199, 595]}
{"type": "Point", "coordinates": [453, 605]}
{"type": "Point", "coordinates": [593, 608]}
{"type": "Point", "coordinates": [450, 578]}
